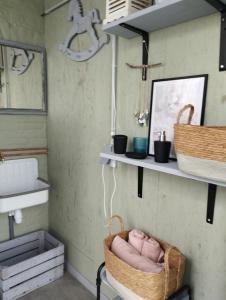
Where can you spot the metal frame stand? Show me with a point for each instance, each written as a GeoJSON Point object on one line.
{"type": "Point", "coordinates": [175, 296]}
{"type": "Point", "coordinates": [98, 280]}
{"type": "Point", "coordinates": [11, 227]}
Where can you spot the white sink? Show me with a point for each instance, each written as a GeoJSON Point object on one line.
{"type": "Point", "coordinates": [20, 186]}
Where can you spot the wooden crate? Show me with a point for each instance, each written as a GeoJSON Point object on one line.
{"type": "Point", "coordinates": [116, 9]}
{"type": "Point", "coordinates": [29, 262]}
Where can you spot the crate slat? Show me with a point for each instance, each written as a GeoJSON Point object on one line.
{"type": "Point", "coordinates": [20, 258]}
{"type": "Point", "coordinates": [33, 284]}
{"type": "Point", "coordinates": [21, 241]}
{"type": "Point", "coordinates": [13, 252]}
{"type": "Point", "coordinates": [30, 273]}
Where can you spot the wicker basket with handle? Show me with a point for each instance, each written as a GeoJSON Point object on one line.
{"type": "Point", "coordinates": [149, 286]}
{"type": "Point", "coordinates": [200, 150]}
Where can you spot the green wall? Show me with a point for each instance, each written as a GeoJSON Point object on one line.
{"type": "Point", "coordinates": [79, 124]}
{"type": "Point", "coordinates": [21, 21]}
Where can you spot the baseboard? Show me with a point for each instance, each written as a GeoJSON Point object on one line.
{"type": "Point", "coordinates": [89, 286]}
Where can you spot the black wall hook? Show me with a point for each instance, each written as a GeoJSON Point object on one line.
{"type": "Point", "coordinates": [145, 46]}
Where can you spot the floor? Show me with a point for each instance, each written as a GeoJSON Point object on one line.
{"type": "Point", "coordinates": [66, 288]}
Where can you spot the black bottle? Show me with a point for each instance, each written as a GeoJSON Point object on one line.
{"type": "Point", "coordinates": [162, 149]}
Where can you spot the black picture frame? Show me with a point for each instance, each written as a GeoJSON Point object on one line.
{"type": "Point", "coordinates": [202, 107]}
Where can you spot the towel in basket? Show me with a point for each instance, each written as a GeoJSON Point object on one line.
{"type": "Point", "coordinates": [150, 286]}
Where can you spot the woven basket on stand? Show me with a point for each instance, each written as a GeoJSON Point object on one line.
{"type": "Point", "coordinates": [200, 150]}
{"type": "Point", "coordinates": [149, 286]}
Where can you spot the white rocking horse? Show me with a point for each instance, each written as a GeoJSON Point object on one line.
{"type": "Point", "coordinates": [82, 24]}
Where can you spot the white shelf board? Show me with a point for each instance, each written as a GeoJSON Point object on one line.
{"type": "Point", "coordinates": [165, 14]}
{"type": "Point", "coordinates": [149, 163]}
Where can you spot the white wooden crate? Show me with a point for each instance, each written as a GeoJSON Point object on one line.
{"type": "Point", "coordinates": [116, 9]}
{"type": "Point", "coordinates": [29, 262]}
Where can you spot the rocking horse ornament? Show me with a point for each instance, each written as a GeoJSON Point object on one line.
{"type": "Point", "coordinates": [83, 24]}
{"type": "Point", "coordinates": [27, 58]}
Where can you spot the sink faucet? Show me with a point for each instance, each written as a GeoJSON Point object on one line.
{"type": "Point", "coordinates": [1, 157]}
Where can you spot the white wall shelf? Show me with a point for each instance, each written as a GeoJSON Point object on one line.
{"type": "Point", "coordinates": [149, 163]}
{"type": "Point", "coordinates": [169, 13]}
{"type": "Point", "coordinates": [170, 168]}
{"type": "Point", "coordinates": [165, 14]}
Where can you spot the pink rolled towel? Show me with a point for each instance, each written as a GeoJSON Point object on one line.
{"type": "Point", "coordinates": [152, 249]}
{"type": "Point", "coordinates": [131, 256]}
{"type": "Point", "coordinates": [146, 246]}
{"type": "Point", "coordinates": [137, 238]}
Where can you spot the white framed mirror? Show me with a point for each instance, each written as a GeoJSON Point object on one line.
{"type": "Point", "coordinates": [23, 78]}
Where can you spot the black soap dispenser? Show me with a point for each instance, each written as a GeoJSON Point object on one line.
{"type": "Point", "coordinates": [162, 148]}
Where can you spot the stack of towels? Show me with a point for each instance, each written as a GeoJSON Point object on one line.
{"type": "Point", "coordinates": [141, 252]}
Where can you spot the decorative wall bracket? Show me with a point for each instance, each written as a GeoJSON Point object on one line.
{"type": "Point", "coordinates": [27, 60]}
{"type": "Point", "coordinates": [212, 191]}
{"type": "Point", "coordinates": [221, 7]}
{"type": "Point", "coordinates": [83, 24]}
{"type": "Point", "coordinates": [140, 181]}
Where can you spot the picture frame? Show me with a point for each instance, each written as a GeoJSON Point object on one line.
{"type": "Point", "coordinates": [168, 97]}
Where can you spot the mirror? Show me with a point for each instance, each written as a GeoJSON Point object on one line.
{"type": "Point", "coordinates": [23, 79]}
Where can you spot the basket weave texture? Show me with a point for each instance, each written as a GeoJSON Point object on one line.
{"type": "Point", "coordinates": [202, 142]}
{"type": "Point", "coordinates": [149, 286]}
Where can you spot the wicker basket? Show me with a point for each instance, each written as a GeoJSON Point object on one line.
{"type": "Point", "coordinates": [200, 150]}
{"type": "Point", "coordinates": [150, 286]}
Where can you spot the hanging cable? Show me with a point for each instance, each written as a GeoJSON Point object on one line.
{"type": "Point", "coordinates": [113, 86]}
{"type": "Point", "coordinates": [104, 192]}
{"type": "Point", "coordinates": [113, 129]}
{"type": "Point", "coordinates": [113, 193]}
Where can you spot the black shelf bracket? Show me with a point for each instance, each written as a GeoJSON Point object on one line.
{"type": "Point", "coordinates": [212, 191]}
{"type": "Point", "coordinates": [221, 7]}
{"type": "Point", "coordinates": [140, 181]}
{"type": "Point", "coordinates": [145, 46]}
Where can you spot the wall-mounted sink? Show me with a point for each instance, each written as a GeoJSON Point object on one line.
{"type": "Point", "coordinates": [20, 186]}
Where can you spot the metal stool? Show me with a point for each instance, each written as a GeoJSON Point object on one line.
{"type": "Point", "coordinates": [182, 294]}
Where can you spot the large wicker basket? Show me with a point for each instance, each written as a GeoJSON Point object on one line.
{"type": "Point", "coordinates": [200, 150]}
{"type": "Point", "coordinates": [149, 286]}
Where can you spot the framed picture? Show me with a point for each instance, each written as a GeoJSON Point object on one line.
{"type": "Point", "coordinates": [168, 97]}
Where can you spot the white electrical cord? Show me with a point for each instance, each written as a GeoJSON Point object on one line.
{"type": "Point", "coordinates": [113, 193]}
{"type": "Point", "coordinates": [113, 127]}
{"type": "Point", "coordinates": [113, 86]}
{"type": "Point", "coordinates": [104, 191]}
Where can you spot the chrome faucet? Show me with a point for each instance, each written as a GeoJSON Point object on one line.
{"type": "Point", "coordinates": [1, 157]}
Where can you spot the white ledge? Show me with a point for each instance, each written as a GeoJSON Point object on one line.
{"type": "Point", "coordinates": [165, 14]}
{"type": "Point", "coordinates": [149, 163]}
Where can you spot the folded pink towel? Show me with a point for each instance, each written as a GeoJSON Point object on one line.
{"type": "Point", "coordinates": [132, 257]}
{"type": "Point", "coordinates": [147, 246]}
{"type": "Point", "coordinates": [137, 238]}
